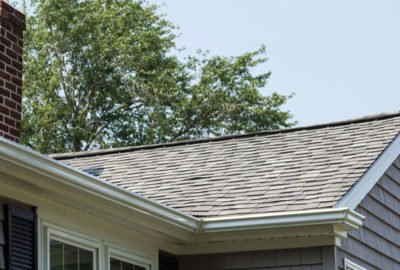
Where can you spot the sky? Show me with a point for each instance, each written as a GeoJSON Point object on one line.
{"type": "Point", "coordinates": [340, 58]}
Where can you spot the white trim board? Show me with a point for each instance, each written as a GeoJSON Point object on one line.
{"type": "Point", "coordinates": [364, 185]}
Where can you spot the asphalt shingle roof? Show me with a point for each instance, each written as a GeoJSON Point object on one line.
{"type": "Point", "coordinates": [294, 169]}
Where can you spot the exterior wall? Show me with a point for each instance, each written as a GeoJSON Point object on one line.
{"type": "Point", "coordinates": [377, 244]}
{"type": "Point", "coordinates": [12, 25]}
{"type": "Point", "coordinates": [129, 240]}
{"type": "Point", "coordinates": [2, 235]}
{"type": "Point", "coordinates": [318, 258]}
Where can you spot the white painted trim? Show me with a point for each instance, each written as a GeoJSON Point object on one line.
{"type": "Point", "coordinates": [345, 216]}
{"type": "Point", "coordinates": [63, 235]}
{"type": "Point", "coordinates": [60, 172]}
{"type": "Point", "coordinates": [126, 256]}
{"type": "Point", "coordinates": [363, 186]}
{"type": "Point", "coordinates": [349, 265]}
{"type": "Point", "coordinates": [84, 183]}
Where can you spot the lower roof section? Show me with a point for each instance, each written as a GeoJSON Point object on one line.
{"type": "Point", "coordinates": [27, 170]}
{"type": "Point", "coordinates": [273, 171]}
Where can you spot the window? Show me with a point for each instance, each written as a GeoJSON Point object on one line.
{"type": "Point", "coordinates": [62, 249]}
{"type": "Point", "coordinates": [68, 257]}
{"type": "Point", "coordinates": [349, 265]}
{"type": "Point", "coordinates": [123, 260]}
{"type": "Point", "coordinates": [65, 250]}
{"type": "Point", "coordinates": [116, 264]}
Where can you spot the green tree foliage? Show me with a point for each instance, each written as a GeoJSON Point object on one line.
{"type": "Point", "coordinates": [102, 73]}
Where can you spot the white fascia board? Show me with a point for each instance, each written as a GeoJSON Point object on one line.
{"type": "Point", "coordinates": [60, 172]}
{"type": "Point", "coordinates": [348, 218]}
{"type": "Point", "coordinates": [364, 185]}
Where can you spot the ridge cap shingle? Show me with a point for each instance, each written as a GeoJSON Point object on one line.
{"type": "Point", "coordinates": [363, 119]}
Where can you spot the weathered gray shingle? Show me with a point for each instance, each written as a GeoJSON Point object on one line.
{"type": "Point", "coordinates": [298, 169]}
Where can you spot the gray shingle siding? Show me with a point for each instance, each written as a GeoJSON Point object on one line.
{"type": "Point", "coordinates": [288, 259]}
{"type": "Point", "coordinates": [377, 244]}
{"type": "Point", "coordinates": [2, 236]}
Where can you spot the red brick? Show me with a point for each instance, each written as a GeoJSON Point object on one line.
{"type": "Point", "coordinates": [15, 115]}
{"type": "Point", "coordinates": [5, 92]}
{"type": "Point", "coordinates": [12, 54]}
{"type": "Point", "coordinates": [14, 132]}
{"type": "Point", "coordinates": [5, 75]}
{"type": "Point", "coordinates": [3, 127]}
{"type": "Point", "coordinates": [11, 86]}
{"type": "Point", "coordinates": [16, 98]}
{"type": "Point", "coordinates": [5, 41]}
{"type": "Point", "coordinates": [8, 121]}
{"type": "Point", "coordinates": [12, 24]}
{"type": "Point", "coordinates": [10, 104]}
{"type": "Point", "coordinates": [12, 70]}
{"type": "Point", "coordinates": [4, 110]}
{"type": "Point", "coordinates": [17, 65]}
{"type": "Point", "coordinates": [16, 80]}
{"type": "Point", "coordinates": [11, 37]}
{"type": "Point", "coordinates": [5, 58]}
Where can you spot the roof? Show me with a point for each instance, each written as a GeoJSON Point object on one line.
{"type": "Point", "coordinates": [287, 170]}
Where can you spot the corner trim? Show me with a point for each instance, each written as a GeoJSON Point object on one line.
{"type": "Point", "coordinates": [349, 265]}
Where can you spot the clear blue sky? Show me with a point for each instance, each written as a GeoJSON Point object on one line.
{"type": "Point", "coordinates": [341, 58]}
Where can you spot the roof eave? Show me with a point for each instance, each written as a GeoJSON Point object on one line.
{"type": "Point", "coordinates": [348, 218]}
{"type": "Point", "coordinates": [64, 174]}
{"type": "Point", "coordinates": [84, 183]}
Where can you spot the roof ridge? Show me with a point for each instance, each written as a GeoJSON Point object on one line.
{"type": "Point", "coordinates": [363, 119]}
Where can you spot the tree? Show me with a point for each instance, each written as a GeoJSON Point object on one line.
{"type": "Point", "coordinates": [100, 73]}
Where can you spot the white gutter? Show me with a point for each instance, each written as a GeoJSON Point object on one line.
{"type": "Point", "coordinates": [59, 172]}
{"type": "Point", "coordinates": [344, 216]}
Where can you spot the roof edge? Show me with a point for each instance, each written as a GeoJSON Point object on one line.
{"type": "Point", "coordinates": [62, 173]}
{"type": "Point", "coordinates": [344, 216]}
{"type": "Point", "coordinates": [369, 118]}
{"type": "Point", "coordinates": [367, 181]}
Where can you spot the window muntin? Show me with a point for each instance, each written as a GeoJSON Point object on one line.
{"type": "Point", "coordinates": [118, 259]}
{"type": "Point", "coordinates": [64, 256]}
{"type": "Point", "coordinates": [63, 249]}
{"type": "Point", "coordinates": [116, 264]}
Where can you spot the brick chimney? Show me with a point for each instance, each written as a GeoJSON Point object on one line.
{"type": "Point", "coordinates": [12, 25]}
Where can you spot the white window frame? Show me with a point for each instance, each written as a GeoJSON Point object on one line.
{"type": "Point", "coordinates": [127, 256]}
{"type": "Point", "coordinates": [102, 251]}
{"type": "Point", "coordinates": [69, 237]}
{"type": "Point", "coordinates": [349, 265]}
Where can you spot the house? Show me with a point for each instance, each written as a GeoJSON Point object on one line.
{"type": "Point", "coordinates": [315, 198]}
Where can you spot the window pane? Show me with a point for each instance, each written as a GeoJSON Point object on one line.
{"type": "Point", "coordinates": [116, 264]}
{"type": "Point", "coordinates": [127, 266]}
{"type": "Point", "coordinates": [85, 260]}
{"type": "Point", "coordinates": [56, 255]}
{"type": "Point", "coordinates": [68, 257]}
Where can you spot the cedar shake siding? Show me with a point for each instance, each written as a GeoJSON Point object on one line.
{"type": "Point", "coordinates": [318, 258]}
{"type": "Point", "coordinates": [12, 25]}
{"type": "Point", "coordinates": [377, 244]}
{"type": "Point", "coordinates": [2, 237]}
